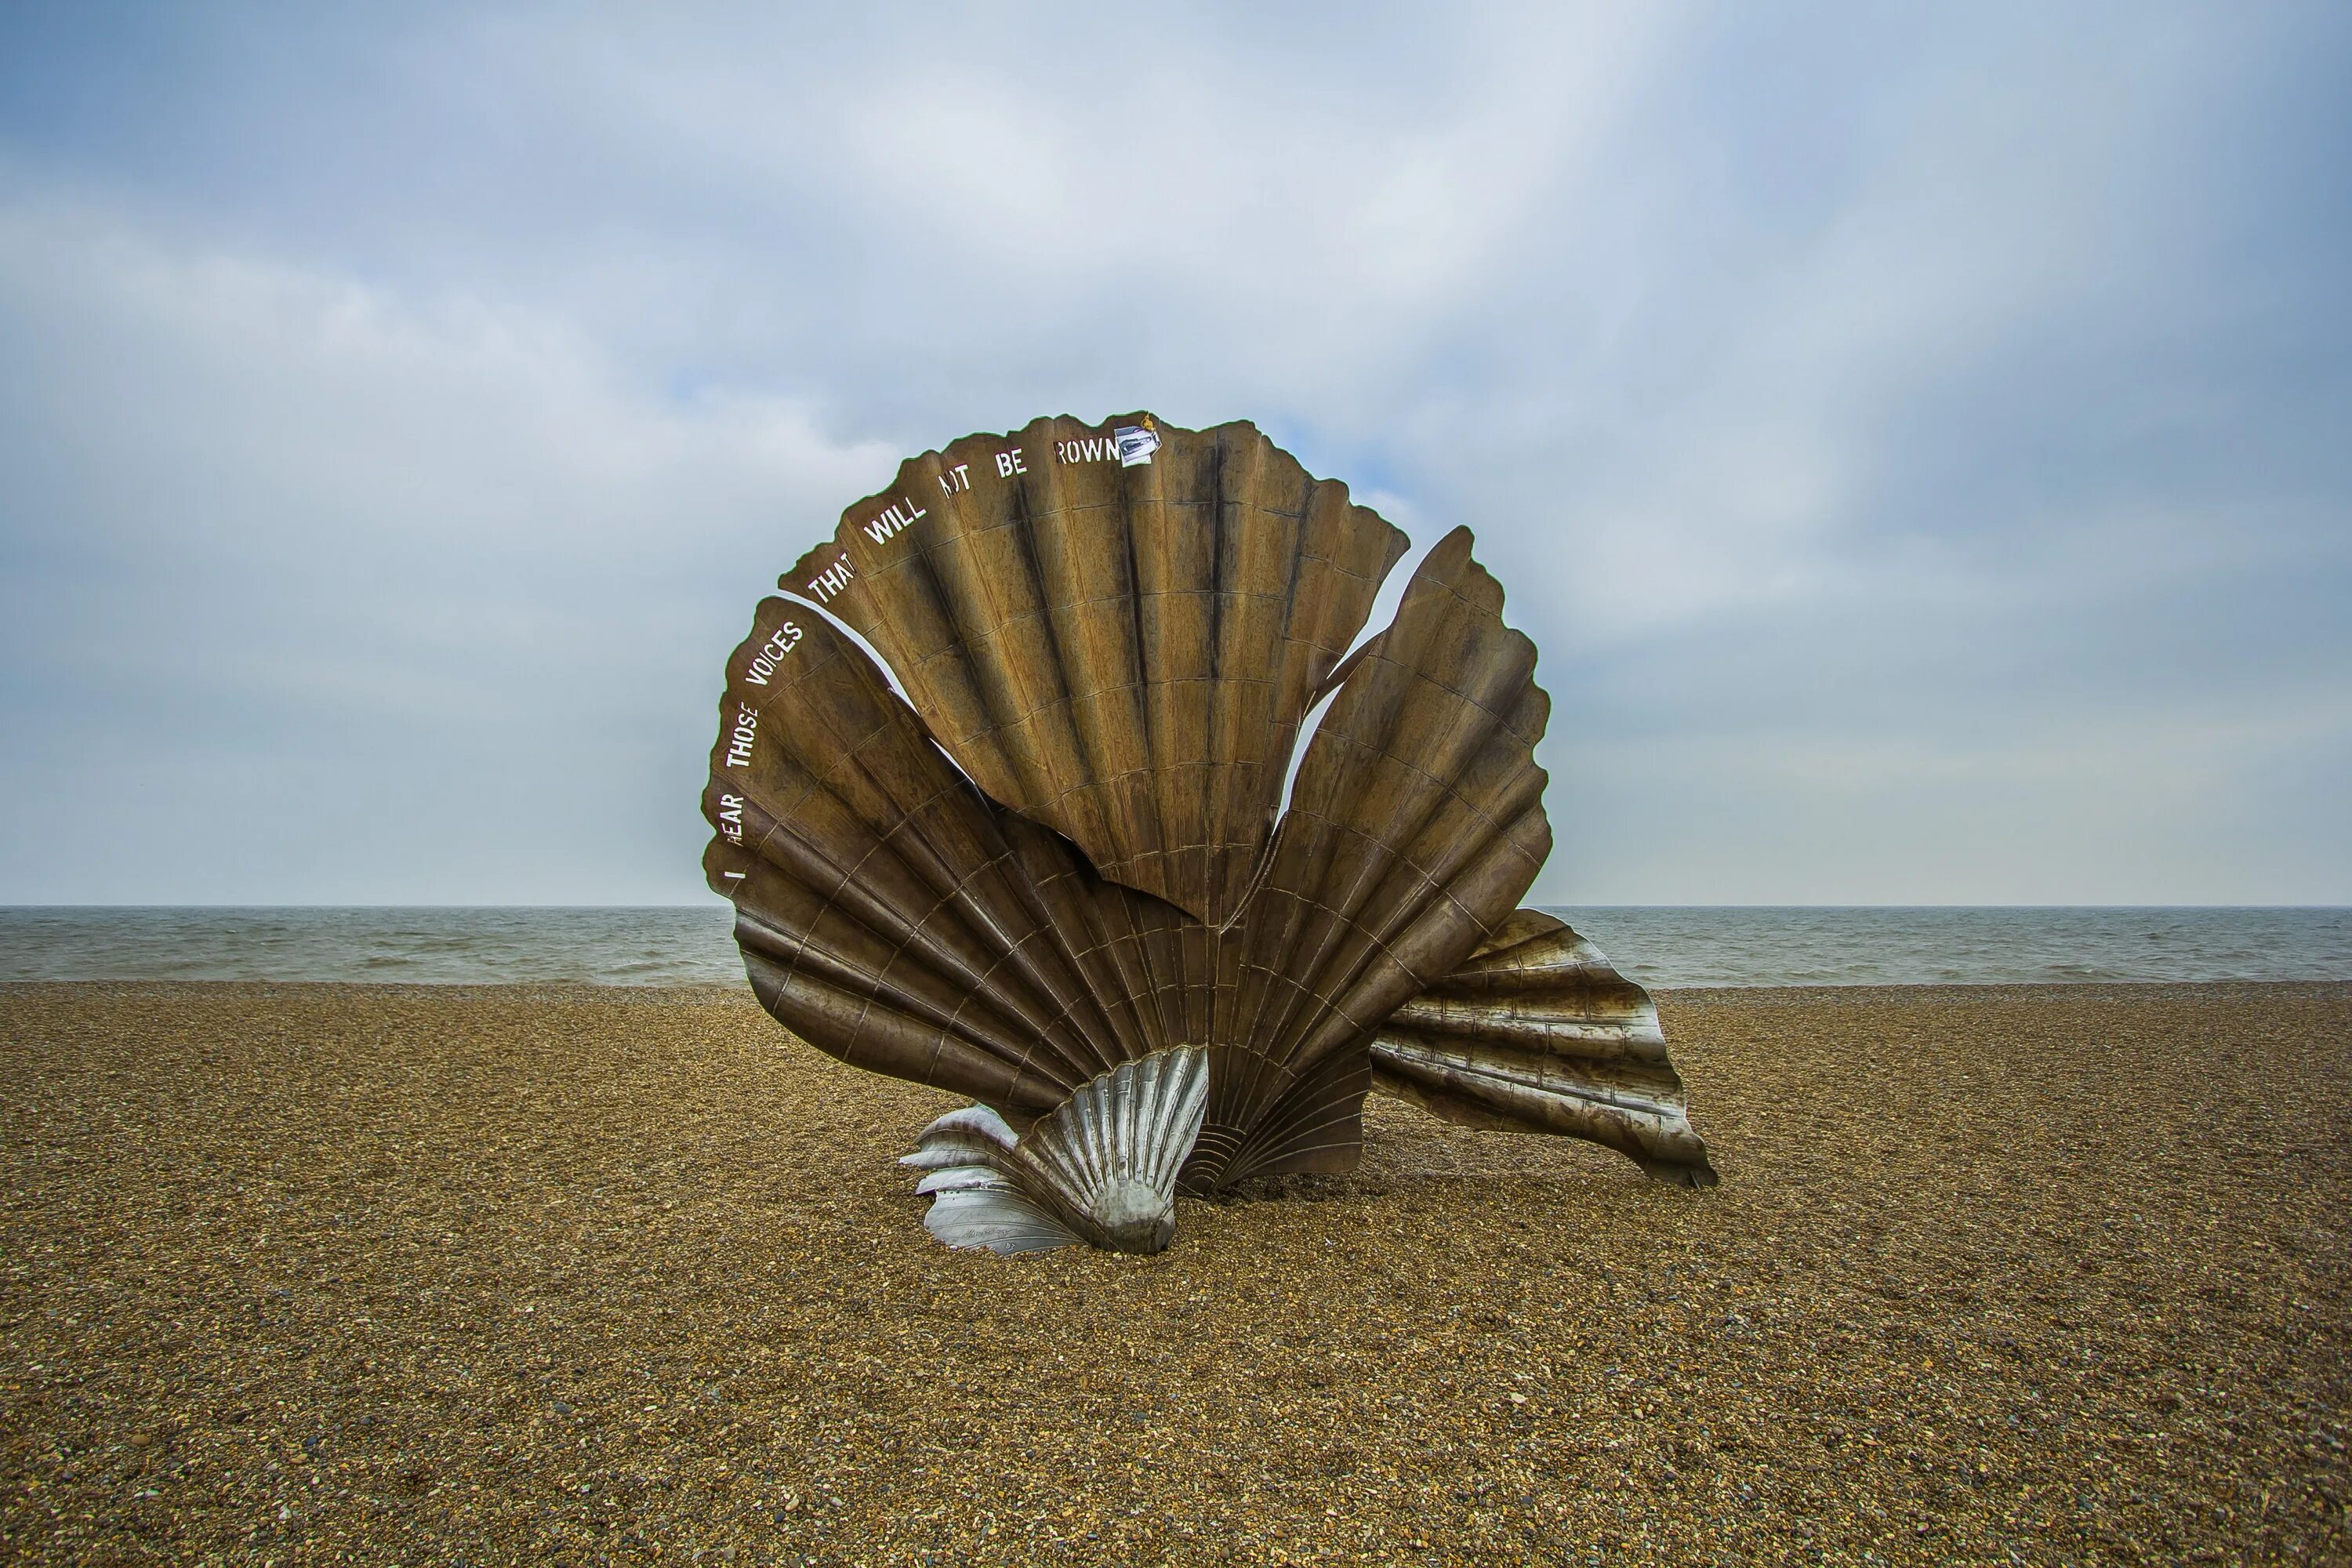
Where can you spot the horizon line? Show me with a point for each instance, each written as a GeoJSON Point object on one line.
{"type": "Point", "coordinates": [717, 904]}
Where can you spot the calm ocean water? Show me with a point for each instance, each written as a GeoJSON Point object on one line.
{"type": "Point", "coordinates": [1666, 947]}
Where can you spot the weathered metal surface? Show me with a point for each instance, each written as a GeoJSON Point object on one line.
{"type": "Point", "coordinates": [1123, 652]}
{"type": "Point", "coordinates": [1537, 1033]}
{"type": "Point", "coordinates": [1118, 656]}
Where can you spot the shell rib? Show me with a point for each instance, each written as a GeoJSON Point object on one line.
{"type": "Point", "coordinates": [1415, 825]}
{"type": "Point", "coordinates": [895, 918]}
{"type": "Point", "coordinates": [1101, 1168]}
{"type": "Point", "coordinates": [1536, 1033]}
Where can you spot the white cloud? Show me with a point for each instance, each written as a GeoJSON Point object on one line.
{"type": "Point", "coordinates": [417, 553]}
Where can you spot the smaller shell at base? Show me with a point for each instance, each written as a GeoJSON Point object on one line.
{"type": "Point", "coordinates": [1100, 1168]}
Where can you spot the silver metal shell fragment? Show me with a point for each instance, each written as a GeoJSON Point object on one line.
{"type": "Point", "coordinates": [1100, 1168]}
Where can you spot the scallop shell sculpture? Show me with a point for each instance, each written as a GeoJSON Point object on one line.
{"type": "Point", "coordinates": [1052, 868]}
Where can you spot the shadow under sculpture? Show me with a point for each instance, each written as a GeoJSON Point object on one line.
{"type": "Point", "coordinates": [1058, 874]}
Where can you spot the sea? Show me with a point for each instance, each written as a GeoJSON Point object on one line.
{"type": "Point", "coordinates": [1670, 948]}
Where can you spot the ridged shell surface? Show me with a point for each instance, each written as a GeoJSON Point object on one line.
{"type": "Point", "coordinates": [1121, 651]}
{"type": "Point", "coordinates": [1113, 1151]}
{"type": "Point", "coordinates": [895, 913]}
{"type": "Point", "coordinates": [1102, 1168]}
{"type": "Point", "coordinates": [975, 1202]}
{"type": "Point", "coordinates": [1537, 1033]}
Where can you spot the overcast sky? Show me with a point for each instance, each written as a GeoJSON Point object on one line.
{"type": "Point", "coordinates": [1919, 440]}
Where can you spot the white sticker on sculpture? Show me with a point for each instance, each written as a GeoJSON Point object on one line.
{"type": "Point", "coordinates": [1136, 444]}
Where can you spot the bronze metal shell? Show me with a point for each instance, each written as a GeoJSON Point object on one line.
{"type": "Point", "coordinates": [1118, 660]}
{"type": "Point", "coordinates": [1123, 653]}
{"type": "Point", "coordinates": [1536, 1032]}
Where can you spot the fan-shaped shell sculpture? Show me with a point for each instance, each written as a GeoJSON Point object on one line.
{"type": "Point", "coordinates": [1059, 877]}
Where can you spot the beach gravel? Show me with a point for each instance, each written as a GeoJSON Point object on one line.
{"type": "Point", "coordinates": [312, 1273]}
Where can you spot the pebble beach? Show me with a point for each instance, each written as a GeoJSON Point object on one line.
{"type": "Point", "coordinates": [296, 1273]}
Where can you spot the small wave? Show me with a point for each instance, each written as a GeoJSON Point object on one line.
{"type": "Point", "coordinates": [1670, 948]}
